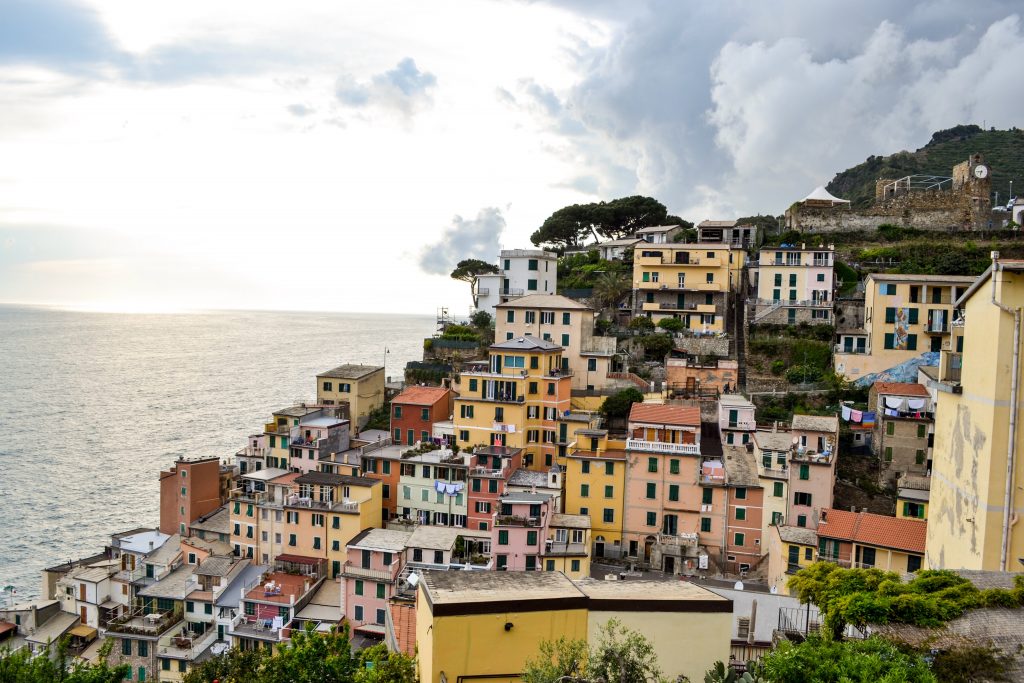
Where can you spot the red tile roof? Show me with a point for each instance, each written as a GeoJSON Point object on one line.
{"type": "Point", "coordinates": [404, 618]}
{"type": "Point", "coordinates": [901, 389]}
{"type": "Point", "coordinates": [871, 529]}
{"type": "Point", "coordinates": [421, 396]}
{"type": "Point", "coordinates": [653, 413]}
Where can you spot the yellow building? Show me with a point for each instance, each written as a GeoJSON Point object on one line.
{"type": "Point", "coordinates": [475, 626]}
{"type": "Point", "coordinates": [567, 549]}
{"type": "Point", "coordinates": [595, 485]}
{"type": "Point", "coordinates": [692, 282]}
{"type": "Point", "coordinates": [794, 284]}
{"type": "Point", "coordinates": [361, 386]}
{"type": "Point", "coordinates": [974, 505]}
{"type": "Point", "coordinates": [904, 317]}
{"type": "Point", "coordinates": [912, 493]}
{"type": "Point", "coordinates": [790, 549]}
{"type": "Point", "coordinates": [277, 433]}
{"type": "Point", "coordinates": [516, 399]}
{"type": "Point", "coordinates": [563, 321]}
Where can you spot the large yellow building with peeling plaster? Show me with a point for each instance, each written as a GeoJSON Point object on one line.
{"type": "Point", "coordinates": [970, 525]}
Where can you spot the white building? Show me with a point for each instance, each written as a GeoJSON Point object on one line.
{"type": "Point", "coordinates": [520, 272]}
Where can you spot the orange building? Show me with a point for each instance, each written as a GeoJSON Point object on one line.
{"type": "Point", "coordinates": [190, 489]}
{"type": "Point", "coordinates": [414, 412]}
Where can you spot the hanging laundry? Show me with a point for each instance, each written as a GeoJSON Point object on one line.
{"type": "Point", "coordinates": [869, 419]}
{"type": "Point", "coordinates": [439, 486]}
{"type": "Point", "coordinates": [915, 403]}
{"type": "Point", "coordinates": [894, 402]}
{"type": "Point", "coordinates": [856, 415]}
{"type": "Point", "coordinates": [846, 413]}
{"type": "Point", "coordinates": [450, 489]}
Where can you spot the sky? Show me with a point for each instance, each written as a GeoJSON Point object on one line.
{"type": "Point", "coordinates": [343, 156]}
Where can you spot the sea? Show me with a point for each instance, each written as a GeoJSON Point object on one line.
{"type": "Point", "coordinates": [93, 405]}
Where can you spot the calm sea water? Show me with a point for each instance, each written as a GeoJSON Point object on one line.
{"type": "Point", "coordinates": [92, 405]}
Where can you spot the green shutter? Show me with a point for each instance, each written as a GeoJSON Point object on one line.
{"type": "Point", "coordinates": [913, 316]}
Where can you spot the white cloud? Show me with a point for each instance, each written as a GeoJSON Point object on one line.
{"type": "Point", "coordinates": [466, 238]}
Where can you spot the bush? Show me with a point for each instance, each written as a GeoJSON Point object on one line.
{"type": "Point", "coordinates": [671, 324]}
{"type": "Point", "coordinates": [778, 367]}
{"type": "Point", "coordinates": [641, 323]}
{"type": "Point", "coordinates": [803, 374]}
{"type": "Point", "coordinates": [656, 346]}
{"type": "Point", "coordinates": [618, 405]}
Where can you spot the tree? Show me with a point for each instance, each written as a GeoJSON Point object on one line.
{"type": "Point", "coordinates": [22, 667]}
{"type": "Point", "coordinates": [571, 225]}
{"type": "Point", "coordinates": [642, 323]}
{"type": "Point", "coordinates": [829, 661]}
{"type": "Point", "coordinates": [466, 270]}
{"type": "Point", "coordinates": [671, 324]}
{"type": "Point", "coordinates": [481, 320]}
{"type": "Point", "coordinates": [656, 346]}
{"type": "Point", "coordinates": [610, 288]}
{"type": "Point", "coordinates": [618, 405]}
{"type": "Point", "coordinates": [623, 655]}
{"type": "Point", "coordinates": [232, 666]}
{"type": "Point", "coordinates": [557, 659]}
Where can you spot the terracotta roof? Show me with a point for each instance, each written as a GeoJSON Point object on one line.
{"type": "Point", "coordinates": [654, 413]}
{"type": "Point", "coordinates": [901, 389]}
{"type": "Point", "coordinates": [555, 301]}
{"type": "Point", "coordinates": [421, 396]}
{"type": "Point", "coordinates": [403, 616]}
{"type": "Point", "coordinates": [871, 529]}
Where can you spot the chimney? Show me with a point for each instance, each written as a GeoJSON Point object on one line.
{"type": "Point", "coordinates": [151, 545]}
{"type": "Point", "coordinates": [853, 508]}
{"type": "Point", "coordinates": [863, 509]}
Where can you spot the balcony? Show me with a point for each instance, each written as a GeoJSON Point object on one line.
{"type": "Point", "coordinates": [483, 291]}
{"type": "Point", "coordinates": [662, 447]}
{"type": "Point", "coordinates": [852, 350]}
{"type": "Point", "coordinates": [138, 623]}
{"type": "Point", "coordinates": [251, 452]}
{"type": "Point", "coordinates": [743, 425]}
{"type": "Point", "coordinates": [791, 303]}
{"type": "Point", "coordinates": [552, 548]}
{"type": "Point", "coordinates": [799, 455]}
{"type": "Point", "coordinates": [512, 292]}
{"type": "Point", "coordinates": [185, 644]}
{"type": "Point", "coordinates": [516, 520]}
{"type": "Point", "coordinates": [249, 626]}
{"type": "Point", "coordinates": [690, 540]}
{"type": "Point", "coordinates": [937, 327]}
{"type": "Point", "coordinates": [557, 373]}
{"type": "Point", "coordinates": [693, 308]}
{"type": "Point", "coordinates": [775, 472]}
{"type": "Point", "coordinates": [487, 472]}
{"type": "Point", "coordinates": [354, 571]}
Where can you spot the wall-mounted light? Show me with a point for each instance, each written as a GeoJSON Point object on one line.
{"type": "Point", "coordinates": [508, 625]}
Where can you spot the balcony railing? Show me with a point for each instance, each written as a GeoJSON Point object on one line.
{"type": "Point", "coordinates": [138, 623]}
{"type": "Point", "coordinates": [662, 447]}
{"type": "Point", "coordinates": [185, 644]}
{"type": "Point", "coordinates": [388, 575]}
{"type": "Point", "coordinates": [775, 472]}
{"type": "Point", "coordinates": [747, 425]}
{"type": "Point", "coordinates": [512, 292]}
{"type": "Point", "coordinates": [565, 549]}
{"type": "Point", "coordinates": [481, 471]}
{"type": "Point", "coordinates": [483, 291]}
{"type": "Point", "coordinates": [859, 350]}
{"type": "Point", "coordinates": [516, 520]}
{"type": "Point", "coordinates": [791, 303]}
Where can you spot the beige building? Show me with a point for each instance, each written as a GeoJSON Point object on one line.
{"type": "Point", "coordinates": [692, 282]}
{"type": "Point", "coordinates": [361, 386]}
{"type": "Point", "coordinates": [904, 317]}
{"type": "Point", "coordinates": [902, 428]}
{"type": "Point", "coordinates": [794, 284]}
{"type": "Point", "coordinates": [562, 321]}
{"type": "Point", "coordinates": [977, 475]}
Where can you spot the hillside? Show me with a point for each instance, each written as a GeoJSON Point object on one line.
{"type": "Point", "coordinates": [1003, 150]}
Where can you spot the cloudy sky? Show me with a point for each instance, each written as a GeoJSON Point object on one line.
{"type": "Point", "coordinates": [343, 155]}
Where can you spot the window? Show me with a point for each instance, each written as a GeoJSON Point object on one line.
{"type": "Point", "coordinates": [705, 524]}
{"type": "Point", "coordinates": [584, 490]}
{"type": "Point", "coordinates": [190, 606]}
{"type": "Point", "coordinates": [499, 414]}
{"type": "Point", "coordinates": [585, 467]}
{"type": "Point", "coordinates": [609, 491]}
{"type": "Point", "coordinates": [913, 563]}
{"type": "Point", "coordinates": [565, 340]}
{"type": "Point", "coordinates": [706, 496]}
{"type": "Point", "coordinates": [463, 435]}
{"type": "Point", "coordinates": [912, 342]}
{"type": "Point", "coordinates": [777, 489]}
{"type": "Point", "coordinates": [328, 386]}
{"type": "Point", "coordinates": [510, 316]}
{"type": "Point", "coordinates": [673, 492]}
{"type": "Point", "coordinates": [465, 411]}
{"type": "Point", "coordinates": [918, 457]}
{"type": "Point", "coordinates": [142, 669]}
{"type": "Point", "coordinates": [143, 648]}
{"type": "Point", "coordinates": [547, 317]}
{"type": "Point", "coordinates": [889, 290]}
{"type": "Point", "coordinates": [292, 540]}
{"type": "Point", "coordinates": [165, 664]}
{"type": "Point", "coordinates": [126, 647]}
{"type": "Point", "coordinates": [531, 285]}
{"type": "Point", "coordinates": [398, 411]}
{"type": "Point", "coordinates": [503, 537]}
{"type": "Point", "coordinates": [652, 464]}
{"type": "Point", "coordinates": [531, 538]}
{"type": "Point", "coordinates": [609, 515]}
{"type": "Point", "coordinates": [652, 519]}
{"type": "Point", "coordinates": [576, 565]}
{"type": "Point", "coordinates": [888, 453]}
{"type": "Point", "coordinates": [316, 543]}
{"type": "Point", "coordinates": [741, 494]}
{"type": "Point", "coordinates": [738, 539]}
{"type": "Point", "coordinates": [609, 468]}
{"type": "Point", "coordinates": [380, 591]}
{"type": "Point", "coordinates": [805, 472]}
{"type": "Point", "coordinates": [359, 612]}
{"type": "Point", "coordinates": [359, 587]}
{"type": "Point", "coordinates": [566, 318]}
{"type": "Point", "coordinates": [922, 431]}
{"type": "Point", "coordinates": [802, 498]}
{"type": "Point", "coordinates": [801, 520]}
{"type": "Point", "coordinates": [741, 514]}
{"type": "Point", "coordinates": [673, 466]}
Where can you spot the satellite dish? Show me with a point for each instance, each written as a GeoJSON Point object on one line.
{"type": "Point", "coordinates": [413, 580]}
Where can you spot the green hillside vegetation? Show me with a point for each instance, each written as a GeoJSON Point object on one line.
{"type": "Point", "coordinates": [1003, 151]}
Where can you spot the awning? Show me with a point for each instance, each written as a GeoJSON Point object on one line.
{"type": "Point", "coordinates": [371, 628]}
{"type": "Point", "coordinates": [6, 626]}
{"type": "Point", "coordinates": [84, 631]}
{"type": "Point", "coordinates": [299, 559]}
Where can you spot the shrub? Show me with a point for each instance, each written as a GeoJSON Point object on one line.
{"type": "Point", "coordinates": [778, 367]}
{"type": "Point", "coordinates": [641, 323]}
{"type": "Point", "coordinates": [671, 324]}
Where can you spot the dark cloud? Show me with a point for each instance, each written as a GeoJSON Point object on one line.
{"type": "Point", "coordinates": [737, 107]}
{"type": "Point", "coordinates": [404, 88]}
{"type": "Point", "coordinates": [478, 238]}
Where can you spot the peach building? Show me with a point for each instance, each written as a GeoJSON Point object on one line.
{"type": "Point", "coordinates": [190, 489]}
{"type": "Point", "coordinates": [375, 557]}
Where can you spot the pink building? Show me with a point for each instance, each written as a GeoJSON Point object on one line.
{"type": "Point", "coordinates": [375, 558]}
{"type": "Point", "coordinates": [520, 530]}
{"type": "Point", "coordinates": [736, 421]}
{"type": "Point", "coordinates": [490, 469]}
{"type": "Point", "coordinates": [812, 469]}
{"type": "Point", "coordinates": [314, 437]}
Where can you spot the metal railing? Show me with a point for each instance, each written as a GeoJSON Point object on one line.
{"type": "Point", "coordinates": [662, 447]}
{"type": "Point", "coordinates": [388, 575]}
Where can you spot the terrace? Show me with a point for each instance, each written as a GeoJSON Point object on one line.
{"type": "Point", "coordinates": [139, 622]}
{"type": "Point", "coordinates": [184, 643]}
{"type": "Point", "coordinates": [356, 571]}
{"type": "Point", "coordinates": [662, 447]}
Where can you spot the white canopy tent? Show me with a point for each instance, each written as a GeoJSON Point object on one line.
{"type": "Point", "coordinates": [820, 194]}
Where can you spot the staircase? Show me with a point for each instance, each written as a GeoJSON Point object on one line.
{"type": "Point", "coordinates": [740, 333]}
{"type": "Point", "coordinates": [776, 305]}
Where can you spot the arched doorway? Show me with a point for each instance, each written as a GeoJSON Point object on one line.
{"type": "Point", "coordinates": [648, 545]}
{"type": "Point", "coordinates": [599, 546]}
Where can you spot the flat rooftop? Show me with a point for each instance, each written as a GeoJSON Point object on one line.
{"type": "Point", "coordinates": [351, 371]}
{"type": "Point", "coordinates": [656, 596]}
{"type": "Point", "coordinates": [464, 588]}
{"type": "Point", "coordinates": [434, 537]}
